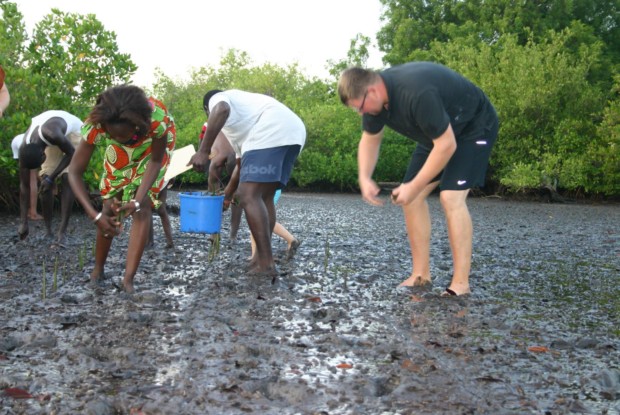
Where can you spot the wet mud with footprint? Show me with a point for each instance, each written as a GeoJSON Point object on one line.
{"type": "Point", "coordinates": [539, 334]}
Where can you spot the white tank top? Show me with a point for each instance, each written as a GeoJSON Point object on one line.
{"type": "Point", "coordinates": [74, 124]}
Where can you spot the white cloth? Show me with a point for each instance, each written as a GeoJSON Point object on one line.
{"type": "Point", "coordinates": [257, 121]}
{"type": "Point", "coordinates": [16, 144]}
{"type": "Point", "coordinates": [74, 124]}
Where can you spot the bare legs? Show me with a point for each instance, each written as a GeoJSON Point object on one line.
{"type": "Point", "coordinates": [418, 224]}
{"type": "Point", "coordinates": [460, 233]}
{"type": "Point", "coordinates": [66, 205]}
{"type": "Point", "coordinates": [257, 202]}
{"type": "Point", "coordinates": [165, 221]}
{"type": "Point", "coordinates": [34, 196]}
{"type": "Point", "coordinates": [235, 220]}
{"type": "Point", "coordinates": [137, 241]}
{"type": "Point", "coordinates": [282, 232]}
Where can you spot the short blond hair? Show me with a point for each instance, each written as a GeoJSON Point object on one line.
{"type": "Point", "coordinates": [353, 83]}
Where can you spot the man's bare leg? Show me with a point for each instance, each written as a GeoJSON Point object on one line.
{"type": "Point", "coordinates": [34, 196]}
{"type": "Point", "coordinates": [67, 198]}
{"type": "Point", "coordinates": [418, 223]}
{"type": "Point", "coordinates": [460, 233]}
{"type": "Point", "coordinates": [257, 202]}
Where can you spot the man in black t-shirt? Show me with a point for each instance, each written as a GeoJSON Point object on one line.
{"type": "Point", "coordinates": [455, 126]}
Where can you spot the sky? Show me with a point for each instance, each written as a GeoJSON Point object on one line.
{"type": "Point", "coordinates": [179, 35]}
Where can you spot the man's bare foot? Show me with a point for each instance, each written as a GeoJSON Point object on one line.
{"type": "Point", "coordinates": [456, 290]}
{"type": "Point", "coordinates": [260, 271]}
{"type": "Point", "coordinates": [415, 281]}
{"type": "Point", "coordinates": [35, 216]}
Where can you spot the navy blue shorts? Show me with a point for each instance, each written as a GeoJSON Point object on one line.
{"type": "Point", "coordinates": [466, 169]}
{"type": "Point", "coordinates": [269, 165]}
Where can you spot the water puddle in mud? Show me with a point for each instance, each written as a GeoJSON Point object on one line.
{"type": "Point", "coordinates": [539, 334]}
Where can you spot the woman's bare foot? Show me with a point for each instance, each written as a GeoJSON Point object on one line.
{"type": "Point", "coordinates": [34, 216]}
{"type": "Point", "coordinates": [128, 287]}
{"type": "Point", "coordinates": [415, 281]}
{"type": "Point", "coordinates": [292, 248]}
{"type": "Point", "coordinates": [96, 277]}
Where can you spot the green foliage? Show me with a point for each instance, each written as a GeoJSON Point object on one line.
{"type": "Point", "coordinates": [550, 68]}
{"type": "Point", "coordinates": [69, 60]}
{"type": "Point", "coordinates": [605, 157]}
{"type": "Point", "coordinates": [548, 107]}
{"type": "Point", "coordinates": [329, 157]}
{"type": "Point", "coordinates": [411, 26]}
{"type": "Point", "coordinates": [356, 56]}
{"type": "Point", "coordinates": [82, 52]}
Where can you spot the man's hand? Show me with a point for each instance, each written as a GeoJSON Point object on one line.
{"type": "Point", "coordinates": [370, 192]}
{"type": "Point", "coordinates": [405, 193]}
{"type": "Point", "coordinates": [47, 184]}
{"type": "Point", "coordinates": [199, 161]}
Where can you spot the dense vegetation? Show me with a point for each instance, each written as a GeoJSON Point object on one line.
{"type": "Point", "coordinates": [550, 67]}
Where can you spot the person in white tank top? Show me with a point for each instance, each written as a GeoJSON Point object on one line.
{"type": "Point", "coordinates": [267, 137]}
{"type": "Point", "coordinates": [49, 144]}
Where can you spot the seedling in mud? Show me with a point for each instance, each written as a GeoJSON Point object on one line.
{"type": "Point", "coordinates": [81, 259]}
{"type": "Point", "coordinates": [326, 263]}
{"type": "Point", "coordinates": [214, 239]}
{"type": "Point", "coordinates": [43, 283]}
{"type": "Point", "coordinates": [55, 280]}
{"type": "Point", "coordinates": [214, 248]}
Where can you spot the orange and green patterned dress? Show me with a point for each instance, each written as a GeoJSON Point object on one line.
{"type": "Point", "coordinates": [124, 165]}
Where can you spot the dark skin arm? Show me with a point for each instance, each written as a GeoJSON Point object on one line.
{"type": "Point", "coordinates": [108, 224]}
{"type": "Point", "coordinates": [217, 119]}
{"type": "Point", "coordinates": [222, 159]}
{"type": "Point", "coordinates": [231, 188]}
{"type": "Point", "coordinates": [54, 132]}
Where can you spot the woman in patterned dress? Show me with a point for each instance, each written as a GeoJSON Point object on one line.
{"type": "Point", "coordinates": [138, 135]}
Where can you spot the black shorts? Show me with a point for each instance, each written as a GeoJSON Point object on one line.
{"type": "Point", "coordinates": [466, 169]}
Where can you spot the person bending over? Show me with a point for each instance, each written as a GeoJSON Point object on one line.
{"type": "Point", "coordinates": [138, 135]}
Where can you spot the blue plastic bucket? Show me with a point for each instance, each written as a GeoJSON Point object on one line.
{"type": "Point", "coordinates": [201, 212]}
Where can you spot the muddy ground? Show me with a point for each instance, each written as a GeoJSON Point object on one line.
{"type": "Point", "coordinates": [539, 335]}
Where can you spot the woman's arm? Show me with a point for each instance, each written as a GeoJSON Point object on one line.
{"type": "Point", "coordinates": [158, 150]}
{"type": "Point", "coordinates": [77, 167]}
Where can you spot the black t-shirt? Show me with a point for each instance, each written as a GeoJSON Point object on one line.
{"type": "Point", "coordinates": [425, 97]}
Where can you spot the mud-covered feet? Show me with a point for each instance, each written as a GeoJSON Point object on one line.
{"type": "Point", "coordinates": [456, 290]}
{"type": "Point", "coordinates": [292, 249]}
{"type": "Point", "coordinates": [270, 273]}
{"type": "Point", "coordinates": [61, 242]}
{"type": "Point", "coordinates": [124, 286]}
{"type": "Point", "coordinates": [96, 278]}
{"type": "Point", "coordinates": [416, 281]}
{"type": "Point", "coordinates": [128, 287]}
